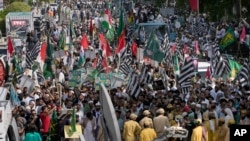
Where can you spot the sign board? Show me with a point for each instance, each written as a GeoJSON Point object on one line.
{"type": "Point", "coordinates": [76, 78]}
{"type": "Point", "coordinates": [5, 117]}
{"type": "Point", "coordinates": [72, 135]}
{"type": "Point", "coordinates": [109, 116]}
{"type": "Point", "coordinates": [167, 11]}
{"type": "Point", "coordinates": [112, 80]}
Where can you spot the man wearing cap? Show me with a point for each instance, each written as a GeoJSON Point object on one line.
{"type": "Point", "coordinates": [160, 122]}
{"type": "Point", "coordinates": [131, 128]}
{"type": "Point", "coordinates": [199, 132]}
{"type": "Point", "coordinates": [147, 134]}
{"type": "Point", "coordinates": [146, 117]}
{"type": "Point", "coordinates": [223, 131]}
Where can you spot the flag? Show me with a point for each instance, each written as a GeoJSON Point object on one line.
{"type": "Point", "coordinates": [121, 43]}
{"type": "Point", "coordinates": [72, 30]}
{"type": "Point", "coordinates": [53, 127]}
{"type": "Point", "coordinates": [243, 34]}
{"type": "Point", "coordinates": [47, 69]}
{"type": "Point", "coordinates": [145, 75]}
{"type": "Point", "coordinates": [134, 49]}
{"type": "Point", "coordinates": [234, 68]}
{"type": "Point", "coordinates": [194, 5]}
{"type": "Point", "coordinates": [208, 73]}
{"type": "Point", "coordinates": [81, 59]}
{"type": "Point", "coordinates": [73, 121]}
{"type": "Point", "coordinates": [14, 97]}
{"type": "Point", "coordinates": [228, 39]}
{"type": "Point", "coordinates": [42, 55]}
{"type": "Point", "coordinates": [125, 67]}
{"type": "Point", "coordinates": [107, 25]}
{"type": "Point", "coordinates": [176, 64]}
{"type": "Point", "coordinates": [10, 50]}
{"type": "Point", "coordinates": [187, 70]}
{"type": "Point", "coordinates": [84, 42]}
{"type": "Point", "coordinates": [62, 40]}
{"type": "Point", "coordinates": [91, 26]}
{"type": "Point", "coordinates": [152, 49]}
{"type": "Point", "coordinates": [244, 74]}
{"type": "Point", "coordinates": [196, 46]}
{"type": "Point", "coordinates": [220, 65]}
{"type": "Point", "coordinates": [121, 24]}
{"type": "Point", "coordinates": [105, 46]}
{"type": "Point", "coordinates": [31, 55]}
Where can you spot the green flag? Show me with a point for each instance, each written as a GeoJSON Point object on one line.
{"type": "Point", "coordinates": [73, 121]}
{"type": "Point", "coordinates": [176, 64]}
{"type": "Point", "coordinates": [234, 68]}
{"type": "Point", "coordinates": [152, 49]}
{"type": "Point", "coordinates": [228, 39]}
{"type": "Point", "coordinates": [53, 127]}
{"type": "Point", "coordinates": [72, 30]}
{"type": "Point", "coordinates": [47, 69]}
{"type": "Point", "coordinates": [62, 40]}
{"type": "Point", "coordinates": [121, 24]}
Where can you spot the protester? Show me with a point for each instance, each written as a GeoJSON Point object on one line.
{"type": "Point", "coordinates": [84, 48]}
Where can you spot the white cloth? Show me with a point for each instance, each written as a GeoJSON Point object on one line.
{"type": "Point", "coordinates": [88, 131]}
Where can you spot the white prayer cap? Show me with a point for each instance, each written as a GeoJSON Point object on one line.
{"type": "Point", "coordinates": [214, 101]}
{"type": "Point", "coordinates": [83, 94]}
{"type": "Point", "coordinates": [193, 103]}
{"type": "Point", "coordinates": [98, 104]}
{"type": "Point", "coordinates": [90, 101]}
{"type": "Point", "coordinates": [198, 105]}
{"type": "Point", "coordinates": [19, 91]}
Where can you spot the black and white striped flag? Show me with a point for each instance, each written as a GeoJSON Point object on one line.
{"type": "Point", "coordinates": [187, 70]}
{"type": "Point", "coordinates": [125, 66]}
{"type": "Point", "coordinates": [133, 86]}
{"type": "Point", "coordinates": [168, 55]}
{"type": "Point", "coordinates": [243, 75]}
{"type": "Point", "coordinates": [220, 64]}
{"type": "Point", "coordinates": [145, 76]}
{"type": "Point", "coordinates": [185, 86]}
{"type": "Point", "coordinates": [32, 55]}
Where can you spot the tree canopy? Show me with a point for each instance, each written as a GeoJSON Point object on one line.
{"type": "Point", "coordinates": [13, 7]}
{"type": "Point", "coordinates": [17, 7]}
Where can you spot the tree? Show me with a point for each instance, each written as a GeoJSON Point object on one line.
{"type": "Point", "coordinates": [17, 7]}
{"type": "Point", "coordinates": [13, 7]}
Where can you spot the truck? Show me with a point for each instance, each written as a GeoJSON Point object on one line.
{"type": "Point", "coordinates": [19, 23]}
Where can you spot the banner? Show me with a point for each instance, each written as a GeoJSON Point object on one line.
{"type": "Point", "coordinates": [77, 77]}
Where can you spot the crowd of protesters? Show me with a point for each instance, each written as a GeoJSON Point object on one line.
{"type": "Point", "coordinates": [207, 111]}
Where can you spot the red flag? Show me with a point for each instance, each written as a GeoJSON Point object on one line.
{"type": "Point", "coordinates": [243, 34]}
{"type": "Point", "coordinates": [185, 49]}
{"type": "Point", "coordinates": [10, 46]}
{"type": "Point", "coordinates": [121, 43]}
{"type": "Point", "coordinates": [105, 65]}
{"type": "Point", "coordinates": [90, 26]}
{"type": "Point", "coordinates": [194, 5]}
{"type": "Point", "coordinates": [43, 51]}
{"type": "Point", "coordinates": [84, 42]}
{"type": "Point", "coordinates": [196, 46]}
{"type": "Point", "coordinates": [134, 49]}
{"type": "Point", "coordinates": [208, 73]}
{"type": "Point", "coordinates": [173, 48]}
{"type": "Point", "coordinates": [105, 46]}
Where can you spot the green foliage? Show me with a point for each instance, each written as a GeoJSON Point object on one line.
{"type": "Point", "coordinates": [18, 7]}
{"type": "Point", "coordinates": [13, 7]}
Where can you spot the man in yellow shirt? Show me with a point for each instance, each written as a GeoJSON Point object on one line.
{"type": "Point", "coordinates": [147, 134]}
{"type": "Point", "coordinates": [131, 129]}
